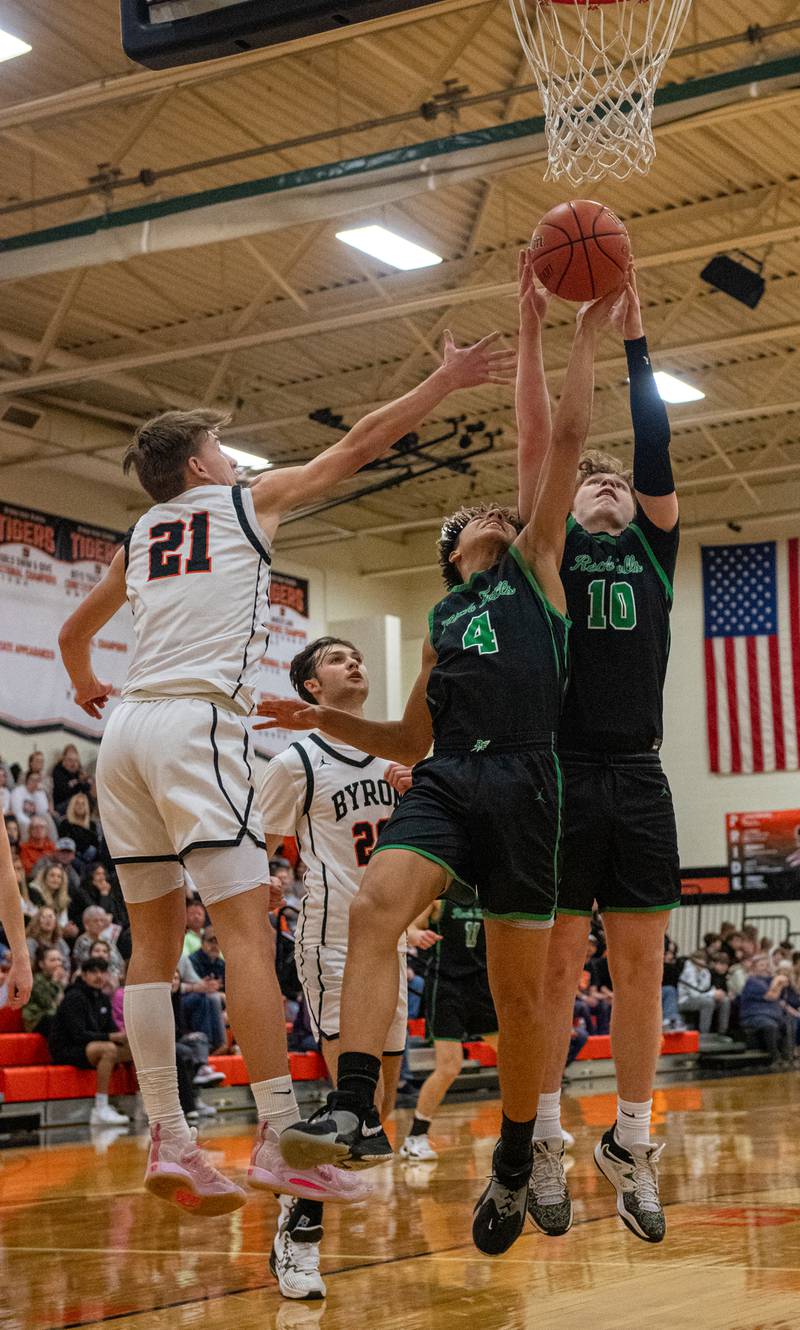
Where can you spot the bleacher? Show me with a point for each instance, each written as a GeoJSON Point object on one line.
{"type": "Point", "coordinates": [35, 1092]}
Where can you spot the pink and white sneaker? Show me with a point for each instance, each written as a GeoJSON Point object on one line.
{"type": "Point", "coordinates": [268, 1170]}
{"type": "Point", "coordinates": [179, 1172]}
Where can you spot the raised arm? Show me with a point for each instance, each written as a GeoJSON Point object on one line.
{"type": "Point", "coordinates": [406, 740]}
{"type": "Point", "coordinates": [276, 492]}
{"type": "Point", "coordinates": [75, 638]}
{"type": "Point", "coordinates": [542, 540]}
{"type": "Point", "coordinates": [532, 400]}
{"type": "Point", "coordinates": [20, 979]}
{"type": "Point", "coordinates": [652, 470]}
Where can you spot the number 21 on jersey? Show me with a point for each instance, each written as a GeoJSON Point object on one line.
{"type": "Point", "coordinates": [166, 548]}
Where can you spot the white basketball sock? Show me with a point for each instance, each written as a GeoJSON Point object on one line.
{"type": "Point", "coordinates": [275, 1102]}
{"type": "Point", "coordinates": [150, 1027]}
{"type": "Point", "coordinates": [548, 1116]}
{"type": "Point", "coordinates": [633, 1123]}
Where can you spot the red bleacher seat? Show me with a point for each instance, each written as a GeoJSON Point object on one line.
{"type": "Point", "coordinates": [10, 1021]}
{"type": "Point", "coordinates": [23, 1050]}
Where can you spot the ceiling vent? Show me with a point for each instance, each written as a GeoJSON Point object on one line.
{"type": "Point", "coordinates": [22, 416]}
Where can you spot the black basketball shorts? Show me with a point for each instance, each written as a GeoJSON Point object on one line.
{"type": "Point", "coordinates": [620, 842]}
{"type": "Point", "coordinates": [460, 1008]}
{"type": "Point", "coordinates": [493, 822]}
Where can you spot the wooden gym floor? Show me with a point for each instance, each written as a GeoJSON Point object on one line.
{"type": "Point", "coordinates": [82, 1245]}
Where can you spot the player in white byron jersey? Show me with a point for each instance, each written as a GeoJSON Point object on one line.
{"type": "Point", "coordinates": [174, 779]}
{"type": "Point", "coordinates": [334, 799]}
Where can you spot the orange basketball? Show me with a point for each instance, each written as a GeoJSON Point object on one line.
{"type": "Point", "coordinates": [580, 250]}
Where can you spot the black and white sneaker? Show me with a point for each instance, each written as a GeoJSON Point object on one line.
{"type": "Point", "coordinates": [634, 1176]}
{"type": "Point", "coordinates": [499, 1216]}
{"type": "Point", "coordinates": [549, 1201]}
{"type": "Point", "coordinates": [335, 1135]}
{"type": "Point", "coordinates": [294, 1259]}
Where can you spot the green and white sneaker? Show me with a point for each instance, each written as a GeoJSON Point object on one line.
{"type": "Point", "coordinates": [634, 1176]}
{"type": "Point", "coordinates": [549, 1201]}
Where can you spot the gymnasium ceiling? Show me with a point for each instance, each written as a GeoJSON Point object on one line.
{"type": "Point", "coordinates": [281, 322]}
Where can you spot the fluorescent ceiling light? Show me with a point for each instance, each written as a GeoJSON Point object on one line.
{"type": "Point", "coordinates": [11, 46]}
{"type": "Point", "coordinates": [251, 460]}
{"type": "Point", "coordinates": [388, 247]}
{"type": "Point", "coordinates": [671, 389]}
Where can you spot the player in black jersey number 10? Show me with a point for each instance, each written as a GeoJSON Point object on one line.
{"type": "Point", "coordinates": [483, 813]}
{"type": "Point", "coordinates": [620, 846]}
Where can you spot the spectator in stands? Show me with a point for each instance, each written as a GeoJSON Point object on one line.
{"type": "Point", "coordinates": [28, 907]}
{"type": "Point", "coordinates": [589, 1006]}
{"type": "Point", "coordinates": [69, 778]}
{"type": "Point", "coordinates": [208, 960]}
{"type": "Point", "coordinates": [201, 1005]}
{"type": "Point", "coordinates": [44, 931]}
{"type": "Point", "coordinates": [79, 825]}
{"type": "Point", "coordinates": [38, 844]}
{"type": "Point", "coordinates": [750, 932]}
{"type": "Point", "coordinates": [12, 831]}
{"type": "Point", "coordinates": [96, 922]}
{"type": "Point", "coordinates": [49, 984]}
{"type": "Point", "coordinates": [29, 801]}
{"type": "Point", "coordinates": [195, 923]}
{"type": "Point", "coordinates": [115, 978]}
{"type": "Point", "coordinates": [64, 854]}
{"type": "Point", "coordinates": [193, 1050]}
{"type": "Point", "coordinates": [601, 989]}
{"type": "Point", "coordinates": [48, 886]}
{"type": "Point", "coordinates": [84, 1035]}
{"type": "Point", "coordinates": [731, 944]}
{"type": "Point", "coordinates": [697, 995]}
{"type": "Point", "coordinates": [5, 792]}
{"type": "Point", "coordinates": [761, 1014]}
{"type": "Point", "coordinates": [97, 889]}
{"type": "Point", "coordinates": [671, 1018]}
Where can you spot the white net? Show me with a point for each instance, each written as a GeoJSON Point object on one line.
{"type": "Point", "coordinates": [597, 65]}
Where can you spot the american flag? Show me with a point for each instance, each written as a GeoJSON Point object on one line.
{"type": "Point", "coordinates": [751, 600]}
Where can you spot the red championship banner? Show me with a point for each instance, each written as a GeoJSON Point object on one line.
{"type": "Point", "coordinates": [47, 565]}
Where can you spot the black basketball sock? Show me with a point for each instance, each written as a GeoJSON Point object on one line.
{"type": "Point", "coordinates": [305, 1219]}
{"type": "Point", "coordinates": [420, 1126]}
{"type": "Point", "coordinates": [357, 1080]}
{"type": "Point", "coordinates": [516, 1150]}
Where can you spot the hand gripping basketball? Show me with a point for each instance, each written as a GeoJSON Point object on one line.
{"type": "Point", "coordinates": [581, 250]}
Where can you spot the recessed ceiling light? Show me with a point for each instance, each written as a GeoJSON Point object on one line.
{"type": "Point", "coordinates": [389, 248]}
{"type": "Point", "coordinates": [250, 460]}
{"type": "Point", "coordinates": [671, 389]}
{"type": "Point", "coordinates": [11, 46]}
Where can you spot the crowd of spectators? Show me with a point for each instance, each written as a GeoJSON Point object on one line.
{"type": "Point", "coordinates": [79, 941]}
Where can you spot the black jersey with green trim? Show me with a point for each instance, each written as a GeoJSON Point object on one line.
{"type": "Point", "coordinates": [619, 597]}
{"type": "Point", "coordinates": [461, 954]}
{"type": "Point", "coordinates": [501, 668]}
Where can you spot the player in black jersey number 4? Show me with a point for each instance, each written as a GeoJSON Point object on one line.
{"type": "Point", "coordinates": [483, 812]}
{"type": "Point", "coordinates": [620, 845]}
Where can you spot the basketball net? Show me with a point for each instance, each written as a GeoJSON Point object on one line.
{"type": "Point", "coordinates": [597, 64]}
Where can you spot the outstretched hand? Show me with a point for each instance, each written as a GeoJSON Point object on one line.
{"type": "Point", "coordinates": [470, 366]}
{"type": "Point", "coordinates": [596, 315]}
{"type": "Point", "coordinates": [534, 300]}
{"type": "Point", "coordinates": [287, 713]}
{"type": "Point", "coordinates": [626, 315]}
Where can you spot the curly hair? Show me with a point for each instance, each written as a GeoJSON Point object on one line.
{"type": "Point", "coordinates": [595, 463]}
{"type": "Point", "coordinates": [452, 527]}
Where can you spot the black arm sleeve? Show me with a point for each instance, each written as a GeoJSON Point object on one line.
{"type": "Point", "coordinates": [652, 471]}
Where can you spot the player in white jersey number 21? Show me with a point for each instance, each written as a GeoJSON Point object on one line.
{"type": "Point", "coordinates": [174, 779]}
{"type": "Point", "coordinates": [334, 800]}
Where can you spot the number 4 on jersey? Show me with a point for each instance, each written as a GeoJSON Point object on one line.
{"type": "Point", "coordinates": [480, 633]}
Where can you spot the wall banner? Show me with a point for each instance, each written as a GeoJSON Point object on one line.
{"type": "Point", "coordinates": [288, 634]}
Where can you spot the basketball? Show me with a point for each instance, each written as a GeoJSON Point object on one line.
{"type": "Point", "coordinates": [581, 250]}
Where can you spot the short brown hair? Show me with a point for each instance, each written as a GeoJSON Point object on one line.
{"type": "Point", "coordinates": [452, 527]}
{"type": "Point", "coordinates": [162, 446]}
{"type": "Point", "coordinates": [595, 463]}
{"type": "Point", "coordinates": [305, 663]}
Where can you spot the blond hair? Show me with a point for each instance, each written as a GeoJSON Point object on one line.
{"type": "Point", "coordinates": [163, 445]}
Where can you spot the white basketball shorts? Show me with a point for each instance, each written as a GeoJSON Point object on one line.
{"type": "Point", "coordinates": [175, 787]}
{"type": "Point", "coordinates": [320, 971]}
